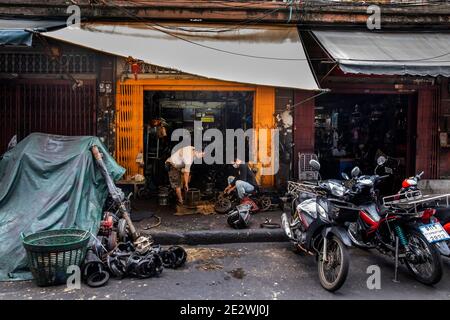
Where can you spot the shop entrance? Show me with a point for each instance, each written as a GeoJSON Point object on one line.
{"type": "Point", "coordinates": [177, 99]}
{"type": "Point", "coordinates": [167, 111]}
{"type": "Point", "coordinates": [354, 129]}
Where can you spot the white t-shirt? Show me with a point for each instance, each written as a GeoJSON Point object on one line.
{"type": "Point", "coordinates": [183, 158]}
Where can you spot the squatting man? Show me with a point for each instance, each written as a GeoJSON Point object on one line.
{"type": "Point", "coordinates": [244, 182]}
{"type": "Point", "coordinates": [178, 166]}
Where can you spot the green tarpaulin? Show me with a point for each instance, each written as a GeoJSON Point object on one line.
{"type": "Point", "coordinates": [48, 182]}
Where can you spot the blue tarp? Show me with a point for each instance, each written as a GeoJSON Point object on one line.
{"type": "Point", "coordinates": [49, 182]}
{"type": "Point", "coordinates": [17, 32]}
{"type": "Point", "coordinates": [16, 38]}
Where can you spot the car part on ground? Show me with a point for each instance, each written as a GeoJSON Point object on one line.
{"type": "Point", "coordinates": [174, 257]}
{"type": "Point", "coordinates": [127, 260]}
{"type": "Point", "coordinates": [94, 272]}
{"type": "Point", "coordinates": [268, 224]}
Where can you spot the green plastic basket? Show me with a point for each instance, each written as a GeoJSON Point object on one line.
{"type": "Point", "coordinates": [51, 252]}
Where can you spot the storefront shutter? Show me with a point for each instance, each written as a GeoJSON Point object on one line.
{"type": "Point", "coordinates": [264, 119]}
{"type": "Point", "coordinates": [129, 127]}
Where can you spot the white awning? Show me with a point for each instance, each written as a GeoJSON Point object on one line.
{"type": "Point", "coordinates": [389, 53]}
{"type": "Point", "coordinates": [262, 55]}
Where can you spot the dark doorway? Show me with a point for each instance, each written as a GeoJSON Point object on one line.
{"type": "Point", "coordinates": [179, 109]}
{"type": "Point", "coordinates": [354, 129]}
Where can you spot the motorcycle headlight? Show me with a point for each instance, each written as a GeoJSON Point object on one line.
{"type": "Point", "coordinates": [322, 212]}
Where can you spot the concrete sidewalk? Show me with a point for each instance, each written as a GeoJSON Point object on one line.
{"type": "Point", "coordinates": [196, 229]}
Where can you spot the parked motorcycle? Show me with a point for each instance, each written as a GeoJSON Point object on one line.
{"type": "Point", "coordinates": [394, 230]}
{"type": "Point", "coordinates": [434, 208]}
{"type": "Point", "coordinates": [388, 166]}
{"type": "Point", "coordinates": [312, 227]}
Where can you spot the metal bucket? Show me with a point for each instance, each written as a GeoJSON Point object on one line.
{"type": "Point", "coordinates": [192, 197]}
{"type": "Point", "coordinates": [163, 196]}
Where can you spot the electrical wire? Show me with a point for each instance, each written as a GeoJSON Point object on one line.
{"type": "Point", "coordinates": [272, 58]}
{"type": "Point", "coordinates": [236, 26]}
{"type": "Point", "coordinates": [156, 25]}
{"type": "Point", "coordinates": [248, 4]}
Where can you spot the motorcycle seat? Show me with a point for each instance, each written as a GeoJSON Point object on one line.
{"type": "Point", "coordinates": [443, 214]}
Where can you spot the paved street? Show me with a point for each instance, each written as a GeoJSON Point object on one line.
{"type": "Point", "coordinates": [246, 271]}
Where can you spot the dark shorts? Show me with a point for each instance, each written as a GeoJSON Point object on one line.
{"type": "Point", "coordinates": [174, 177]}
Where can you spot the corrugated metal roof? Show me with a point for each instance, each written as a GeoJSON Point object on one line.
{"type": "Point", "coordinates": [263, 55]}
{"type": "Point", "coordinates": [389, 53]}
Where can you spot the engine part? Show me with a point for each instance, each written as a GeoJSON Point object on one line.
{"type": "Point", "coordinates": [174, 257]}
{"type": "Point", "coordinates": [111, 241]}
{"type": "Point", "coordinates": [143, 244]}
{"type": "Point", "coordinates": [115, 192]}
{"type": "Point", "coordinates": [122, 230]}
{"type": "Point", "coordinates": [94, 272]}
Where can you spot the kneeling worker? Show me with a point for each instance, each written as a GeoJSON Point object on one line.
{"type": "Point", "coordinates": [181, 162]}
{"type": "Point", "coordinates": [244, 182]}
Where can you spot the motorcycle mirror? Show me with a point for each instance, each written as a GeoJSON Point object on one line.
{"type": "Point", "coordinates": [314, 164]}
{"type": "Point", "coordinates": [381, 160]}
{"type": "Point", "coordinates": [345, 176]}
{"type": "Point", "coordinates": [355, 172]}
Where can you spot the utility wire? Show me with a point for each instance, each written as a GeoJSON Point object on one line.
{"type": "Point", "coordinates": [158, 27]}
{"type": "Point", "coordinates": [236, 26]}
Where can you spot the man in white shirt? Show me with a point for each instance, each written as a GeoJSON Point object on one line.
{"type": "Point", "coordinates": [181, 162]}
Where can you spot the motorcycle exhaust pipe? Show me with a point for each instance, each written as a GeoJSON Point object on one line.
{"type": "Point", "coordinates": [286, 226]}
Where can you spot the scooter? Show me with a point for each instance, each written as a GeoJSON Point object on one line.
{"type": "Point", "coordinates": [312, 228]}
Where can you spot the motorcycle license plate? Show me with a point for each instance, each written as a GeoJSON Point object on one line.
{"type": "Point", "coordinates": [434, 232]}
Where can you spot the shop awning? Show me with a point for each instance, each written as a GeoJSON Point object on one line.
{"type": "Point", "coordinates": [20, 32]}
{"type": "Point", "coordinates": [389, 53]}
{"type": "Point", "coordinates": [263, 55]}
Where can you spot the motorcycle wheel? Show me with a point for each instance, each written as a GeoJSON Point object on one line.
{"type": "Point", "coordinates": [334, 271]}
{"type": "Point", "coordinates": [429, 272]}
{"type": "Point", "coordinates": [223, 205]}
{"type": "Point", "coordinates": [265, 203]}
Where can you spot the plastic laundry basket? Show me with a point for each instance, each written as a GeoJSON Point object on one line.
{"type": "Point", "coordinates": [51, 252]}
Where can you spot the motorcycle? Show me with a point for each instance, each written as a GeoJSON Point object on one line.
{"type": "Point", "coordinates": [312, 228]}
{"type": "Point", "coordinates": [395, 230]}
{"type": "Point", "coordinates": [258, 202]}
{"type": "Point", "coordinates": [388, 166]}
{"type": "Point", "coordinates": [434, 208]}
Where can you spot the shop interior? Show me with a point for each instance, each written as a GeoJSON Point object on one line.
{"type": "Point", "coordinates": [354, 129]}
{"type": "Point", "coordinates": [166, 111]}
